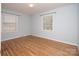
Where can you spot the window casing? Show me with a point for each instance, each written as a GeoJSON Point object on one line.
{"type": "Point", "coordinates": [9, 22]}
{"type": "Point", "coordinates": [47, 22]}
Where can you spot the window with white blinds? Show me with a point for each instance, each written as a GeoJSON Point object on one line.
{"type": "Point", "coordinates": [47, 22]}
{"type": "Point", "coordinates": [9, 22]}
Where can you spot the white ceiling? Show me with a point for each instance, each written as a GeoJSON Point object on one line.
{"type": "Point", "coordinates": [38, 7]}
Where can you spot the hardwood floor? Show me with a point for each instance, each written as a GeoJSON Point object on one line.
{"type": "Point", "coordinates": [35, 46]}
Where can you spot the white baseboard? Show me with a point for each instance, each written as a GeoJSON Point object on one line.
{"type": "Point", "coordinates": [14, 37]}
{"type": "Point", "coordinates": [53, 39]}
{"type": "Point", "coordinates": [42, 37]}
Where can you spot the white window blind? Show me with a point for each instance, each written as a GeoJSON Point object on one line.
{"type": "Point", "coordinates": [9, 22]}
{"type": "Point", "coordinates": [47, 22]}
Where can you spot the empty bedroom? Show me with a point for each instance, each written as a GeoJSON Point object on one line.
{"type": "Point", "coordinates": [39, 29]}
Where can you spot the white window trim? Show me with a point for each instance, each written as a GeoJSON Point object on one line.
{"type": "Point", "coordinates": [52, 23]}
{"type": "Point", "coordinates": [16, 22]}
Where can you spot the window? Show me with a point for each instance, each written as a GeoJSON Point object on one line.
{"type": "Point", "coordinates": [47, 22]}
{"type": "Point", "coordinates": [9, 22]}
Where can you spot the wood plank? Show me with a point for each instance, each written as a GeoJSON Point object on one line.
{"type": "Point", "coordinates": [36, 46]}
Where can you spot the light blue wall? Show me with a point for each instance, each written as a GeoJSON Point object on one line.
{"type": "Point", "coordinates": [23, 26]}
{"type": "Point", "coordinates": [64, 25]}
{"type": "Point", "coordinates": [78, 22]}
{"type": "Point", "coordinates": [0, 26]}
